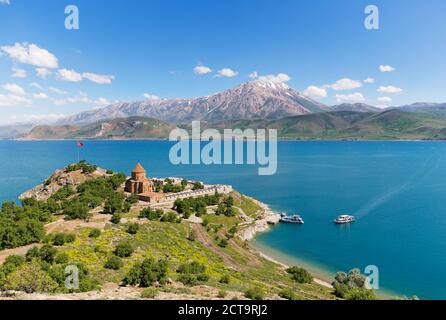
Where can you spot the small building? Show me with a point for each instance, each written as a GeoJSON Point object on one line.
{"type": "Point", "coordinates": [142, 186]}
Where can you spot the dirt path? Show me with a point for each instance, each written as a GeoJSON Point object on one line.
{"type": "Point", "coordinates": [21, 251]}
{"type": "Point", "coordinates": [96, 221]}
{"type": "Point", "coordinates": [203, 237]}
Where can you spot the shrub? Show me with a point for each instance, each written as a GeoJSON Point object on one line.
{"type": "Point", "coordinates": [300, 275]}
{"type": "Point", "coordinates": [193, 268]}
{"type": "Point", "coordinates": [226, 279]}
{"type": "Point", "coordinates": [287, 294]}
{"type": "Point", "coordinates": [116, 218]}
{"type": "Point", "coordinates": [59, 239]}
{"type": "Point", "coordinates": [192, 273]}
{"type": "Point", "coordinates": [76, 210]}
{"type": "Point", "coordinates": [30, 278]}
{"type": "Point", "coordinates": [70, 237]}
{"type": "Point", "coordinates": [351, 286]}
{"type": "Point", "coordinates": [150, 214]}
{"type": "Point", "coordinates": [149, 293]}
{"type": "Point", "coordinates": [192, 235]}
{"type": "Point", "coordinates": [169, 217]}
{"type": "Point", "coordinates": [33, 253]}
{"type": "Point", "coordinates": [109, 171]}
{"type": "Point", "coordinates": [114, 203]}
{"type": "Point", "coordinates": [222, 294]}
{"type": "Point", "coordinates": [124, 249]}
{"type": "Point", "coordinates": [47, 253]}
{"type": "Point", "coordinates": [223, 243]}
{"type": "Point", "coordinates": [94, 233]}
{"type": "Point", "coordinates": [188, 279]}
{"type": "Point", "coordinates": [255, 294]}
{"type": "Point", "coordinates": [114, 263]}
{"type": "Point", "coordinates": [147, 273]}
{"type": "Point", "coordinates": [61, 258]}
{"type": "Point", "coordinates": [132, 228]}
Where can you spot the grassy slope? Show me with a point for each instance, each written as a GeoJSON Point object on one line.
{"type": "Point", "coordinates": [169, 240]}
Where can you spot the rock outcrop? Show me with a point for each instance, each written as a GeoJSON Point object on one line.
{"type": "Point", "coordinates": [58, 180]}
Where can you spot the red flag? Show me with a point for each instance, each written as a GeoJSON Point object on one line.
{"type": "Point", "coordinates": [80, 144]}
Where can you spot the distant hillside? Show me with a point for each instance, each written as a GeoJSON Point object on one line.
{"type": "Point", "coordinates": [392, 124]}
{"type": "Point", "coordinates": [358, 107]}
{"type": "Point", "coordinates": [14, 130]}
{"type": "Point", "coordinates": [389, 124]}
{"type": "Point", "coordinates": [432, 108]}
{"type": "Point", "coordinates": [133, 127]}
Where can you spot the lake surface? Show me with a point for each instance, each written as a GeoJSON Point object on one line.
{"type": "Point", "coordinates": [397, 190]}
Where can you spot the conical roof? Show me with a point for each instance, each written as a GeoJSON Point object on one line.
{"type": "Point", "coordinates": [138, 169]}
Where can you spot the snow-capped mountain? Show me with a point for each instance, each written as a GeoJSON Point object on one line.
{"type": "Point", "coordinates": [259, 99]}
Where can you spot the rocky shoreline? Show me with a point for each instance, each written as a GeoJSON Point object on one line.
{"type": "Point", "coordinates": [262, 224]}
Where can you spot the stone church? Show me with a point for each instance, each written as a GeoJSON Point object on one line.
{"type": "Point", "coordinates": [141, 185]}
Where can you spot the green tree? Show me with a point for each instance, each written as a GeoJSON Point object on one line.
{"type": "Point", "coordinates": [124, 249]}
{"type": "Point", "coordinates": [30, 278]}
{"type": "Point", "coordinates": [114, 263]}
{"type": "Point", "coordinates": [300, 275]}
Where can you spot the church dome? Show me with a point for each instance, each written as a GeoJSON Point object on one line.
{"type": "Point", "coordinates": [138, 169]}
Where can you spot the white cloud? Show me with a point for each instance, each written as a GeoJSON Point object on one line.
{"type": "Point", "coordinates": [56, 90]}
{"type": "Point", "coordinates": [82, 97]}
{"type": "Point", "coordinates": [346, 84]}
{"type": "Point", "coordinates": [279, 78]}
{"type": "Point", "coordinates": [14, 89]}
{"type": "Point", "coordinates": [98, 78]}
{"type": "Point", "coordinates": [35, 85]}
{"type": "Point", "coordinates": [350, 98]}
{"type": "Point", "coordinates": [227, 73]}
{"type": "Point", "coordinates": [386, 68]}
{"type": "Point", "coordinates": [12, 100]}
{"type": "Point", "coordinates": [40, 96]}
{"type": "Point", "coordinates": [384, 99]}
{"type": "Point", "coordinates": [102, 102]}
{"type": "Point", "coordinates": [389, 89]}
{"type": "Point", "coordinates": [151, 97]}
{"type": "Point", "coordinates": [69, 75]}
{"type": "Point", "coordinates": [44, 117]}
{"type": "Point", "coordinates": [369, 80]}
{"type": "Point", "coordinates": [202, 70]}
{"type": "Point", "coordinates": [43, 72]}
{"type": "Point", "coordinates": [5, 2]}
{"type": "Point", "coordinates": [18, 73]}
{"type": "Point", "coordinates": [315, 92]}
{"type": "Point", "coordinates": [253, 75]}
{"type": "Point", "coordinates": [31, 54]}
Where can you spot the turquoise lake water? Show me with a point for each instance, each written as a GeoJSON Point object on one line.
{"type": "Point", "coordinates": [397, 190]}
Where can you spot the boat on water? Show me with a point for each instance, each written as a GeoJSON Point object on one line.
{"type": "Point", "coordinates": [343, 219]}
{"type": "Point", "coordinates": [297, 219]}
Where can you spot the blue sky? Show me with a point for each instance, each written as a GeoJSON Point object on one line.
{"type": "Point", "coordinates": [125, 49]}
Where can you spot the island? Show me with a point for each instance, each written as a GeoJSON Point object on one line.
{"type": "Point", "coordinates": [135, 237]}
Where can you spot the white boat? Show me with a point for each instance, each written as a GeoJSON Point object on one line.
{"type": "Point", "coordinates": [297, 219]}
{"type": "Point", "coordinates": [342, 219]}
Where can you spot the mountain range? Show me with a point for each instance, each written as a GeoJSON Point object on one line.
{"type": "Point", "coordinates": [256, 104]}
{"type": "Point", "coordinates": [253, 100]}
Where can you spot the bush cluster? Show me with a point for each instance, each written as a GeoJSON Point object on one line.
{"type": "Point", "coordinates": [147, 273]}
{"type": "Point", "coordinates": [351, 286]}
{"type": "Point", "coordinates": [192, 274]}
{"type": "Point", "coordinates": [300, 275]}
